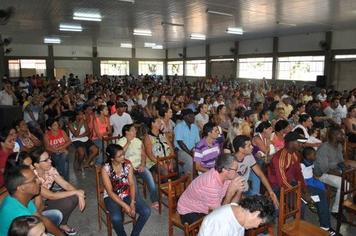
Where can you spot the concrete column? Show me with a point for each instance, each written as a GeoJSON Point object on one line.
{"type": "Point", "coordinates": [207, 61]}
{"type": "Point", "coordinates": [165, 72]}
{"type": "Point", "coordinates": [133, 63]}
{"type": "Point", "coordinates": [184, 59]}
{"type": "Point", "coordinates": [2, 62]}
{"type": "Point", "coordinates": [236, 57]}
{"type": "Point", "coordinates": [50, 63]}
{"type": "Point", "coordinates": [275, 58]}
{"type": "Point", "coordinates": [328, 59]}
{"type": "Point", "coordinates": [96, 62]}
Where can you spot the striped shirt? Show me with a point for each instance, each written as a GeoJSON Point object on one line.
{"type": "Point", "coordinates": [205, 154]}
{"type": "Point", "coordinates": [205, 192]}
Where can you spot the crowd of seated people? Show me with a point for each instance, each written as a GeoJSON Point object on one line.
{"type": "Point", "coordinates": [229, 138]}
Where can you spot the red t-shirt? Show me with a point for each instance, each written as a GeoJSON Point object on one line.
{"type": "Point", "coordinates": [3, 159]}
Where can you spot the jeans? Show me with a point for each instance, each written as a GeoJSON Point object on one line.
{"type": "Point", "coordinates": [255, 184]}
{"type": "Point", "coordinates": [322, 206]}
{"type": "Point", "coordinates": [53, 215]}
{"type": "Point", "coordinates": [116, 218]}
{"type": "Point", "coordinates": [61, 162]}
{"type": "Point", "coordinates": [187, 167]}
{"type": "Point", "coordinates": [147, 177]}
{"type": "Point", "coordinates": [334, 181]}
{"type": "Point", "coordinates": [100, 158]}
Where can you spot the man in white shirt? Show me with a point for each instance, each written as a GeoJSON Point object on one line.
{"type": "Point", "coordinates": [332, 112]}
{"type": "Point", "coordinates": [119, 119]}
{"type": "Point", "coordinates": [7, 95]}
{"type": "Point", "coordinates": [322, 95]}
{"type": "Point", "coordinates": [233, 219]}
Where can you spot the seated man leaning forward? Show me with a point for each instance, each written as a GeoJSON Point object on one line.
{"type": "Point", "coordinates": [233, 219]}
{"type": "Point", "coordinates": [216, 187]}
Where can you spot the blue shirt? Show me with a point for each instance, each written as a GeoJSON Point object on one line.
{"type": "Point", "coordinates": [189, 136]}
{"type": "Point", "coordinates": [11, 208]}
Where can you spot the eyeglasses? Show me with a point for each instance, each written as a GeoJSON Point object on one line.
{"type": "Point", "coordinates": [46, 160]}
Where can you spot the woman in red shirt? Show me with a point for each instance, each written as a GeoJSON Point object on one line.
{"type": "Point", "coordinates": [56, 143]}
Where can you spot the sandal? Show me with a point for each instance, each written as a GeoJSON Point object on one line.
{"type": "Point", "coordinates": [71, 231]}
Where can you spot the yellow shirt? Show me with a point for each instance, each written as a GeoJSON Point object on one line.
{"type": "Point", "coordinates": [133, 151]}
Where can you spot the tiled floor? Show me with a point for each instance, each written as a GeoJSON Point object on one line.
{"type": "Point", "coordinates": [86, 222]}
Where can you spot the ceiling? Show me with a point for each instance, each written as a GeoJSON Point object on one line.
{"type": "Point", "coordinates": [35, 19]}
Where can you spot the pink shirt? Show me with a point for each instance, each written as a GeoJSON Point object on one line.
{"type": "Point", "coordinates": [205, 192]}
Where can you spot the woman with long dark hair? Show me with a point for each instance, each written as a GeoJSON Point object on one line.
{"type": "Point", "coordinates": [120, 191]}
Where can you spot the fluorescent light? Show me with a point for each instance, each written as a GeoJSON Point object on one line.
{"type": "Point", "coordinates": [52, 40]}
{"type": "Point", "coordinates": [126, 45]}
{"type": "Point", "coordinates": [352, 56]}
{"type": "Point", "coordinates": [142, 32]}
{"type": "Point", "coordinates": [157, 47]}
{"type": "Point", "coordinates": [219, 13]}
{"type": "Point", "coordinates": [68, 27]}
{"type": "Point", "coordinates": [172, 24]}
{"type": "Point", "coordinates": [286, 24]}
{"type": "Point", "coordinates": [223, 59]}
{"type": "Point", "coordinates": [149, 45]}
{"type": "Point", "coordinates": [87, 16]}
{"type": "Point", "coordinates": [198, 36]}
{"type": "Point", "coordinates": [234, 30]}
{"type": "Point", "coordinates": [131, 1]}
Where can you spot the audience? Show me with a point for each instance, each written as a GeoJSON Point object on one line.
{"type": "Point", "coordinates": [27, 226]}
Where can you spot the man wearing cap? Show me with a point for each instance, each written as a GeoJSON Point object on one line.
{"type": "Point", "coordinates": [120, 119]}
{"type": "Point", "coordinates": [284, 169]}
{"type": "Point", "coordinates": [185, 138]}
{"type": "Point", "coordinates": [247, 123]}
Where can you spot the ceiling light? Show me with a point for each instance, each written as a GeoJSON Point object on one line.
{"type": "Point", "coordinates": [142, 32]}
{"type": "Point", "coordinates": [149, 45]}
{"type": "Point", "coordinates": [234, 30]}
{"type": "Point", "coordinates": [87, 16]}
{"type": "Point", "coordinates": [52, 40]}
{"type": "Point", "coordinates": [157, 47]}
{"type": "Point", "coordinates": [219, 13]}
{"type": "Point", "coordinates": [198, 36]}
{"type": "Point", "coordinates": [131, 1]}
{"type": "Point", "coordinates": [172, 24]}
{"type": "Point", "coordinates": [223, 59]}
{"type": "Point", "coordinates": [126, 45]}
{"type": "Point", "coordinates": [285, 23]}
{"type": "Point", "coordinates": [68, 27]}
{"type": "Point", "coordinates": [351, 56]}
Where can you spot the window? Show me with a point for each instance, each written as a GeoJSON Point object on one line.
{"type": "Point", "coordinates": [27, 67]}
{"type": "Point", "coordinates": [304, 68]}
{"type": "Point", "coordinates": [175, 68]}
{"type": "Point", "coordinates": [195, 68]}
{"type": "Point", "coordinates": [255, 68]}
{"type": "Point", "coordinates": [150, 67]}
{"type": "Point", "coordinates": [114, 67]}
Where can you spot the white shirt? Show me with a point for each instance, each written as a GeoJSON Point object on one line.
{"type": "Point", "coordinates": [6, 99]}
{"type": "Point", "coordinates": [342, 110]}
{"type": "Point", "coordinates": [321, 97]}
{"type": "Point", "coordinates": [222, 222]}
{"type": "Point", "coordinates": [334, 114]}
{"type": "Point", "coordinates": [119, 121]}
{"type": "Point", "coordinates": [216, 103]}
{"type": "Point", "coordinates": [306, 134]}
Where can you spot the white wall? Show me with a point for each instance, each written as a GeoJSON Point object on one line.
{"type": "Point", "coordinates": [344, 39]}
{"type": "Point", "coordinates": [196, 51]}
{"type": "Point", "coordinates": [114, 52]}
{"type": "Point", "coordinates": [264, 45]}
{"type": "Point", "coordinates": [77, 67]}
{"type": "Point", "coordinates": [220, 49]}
{"type": "Point", "coordinates": [72, 51]}
{"type": "Point", "coordinates": [29, 50]}
{"type": "Point", "coordinates": [150, 53]}
{"type": "Point", "coordinates": [174, 52]}
{"type": "Point", "coordinates": [301, 42]}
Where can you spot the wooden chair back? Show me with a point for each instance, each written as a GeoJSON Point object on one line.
{"type": "Point", "coordinates": [289, 205]}
{"type": "Point", "coordinates": [163, 174]}
{"type": "Point", "coordinates": [347, 194]}
{"type": "Point", "coordinates": [175, 190]}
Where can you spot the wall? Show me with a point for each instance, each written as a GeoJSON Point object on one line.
{"type": "Point", "coordinates": [77, 67]}
{"type": "Point", "coordinates": [196, 51]}
{"type": "Point", "coordinates": [175, 52]}
{"type": "Point", "coordinates": [29, 50]}
{"type": "Point", "coordinates": [344, 72]}
{"type": "Point", "coordinates": [344, 39]}
{"type": "Point", "coordinates": [150, 53]}
{"type": "Point", "coordinates": [298, 43]}
{"type": "Point", "coordinates": [218, 49]}
{"type": "Point", "coordinates": [72, 51]}
{"type": "Point", "coordinates": [114, 52]}
{"type": "Point", "coordinates": [256, 46]}
{"type": "Point", "coordinates": [222, 69]}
